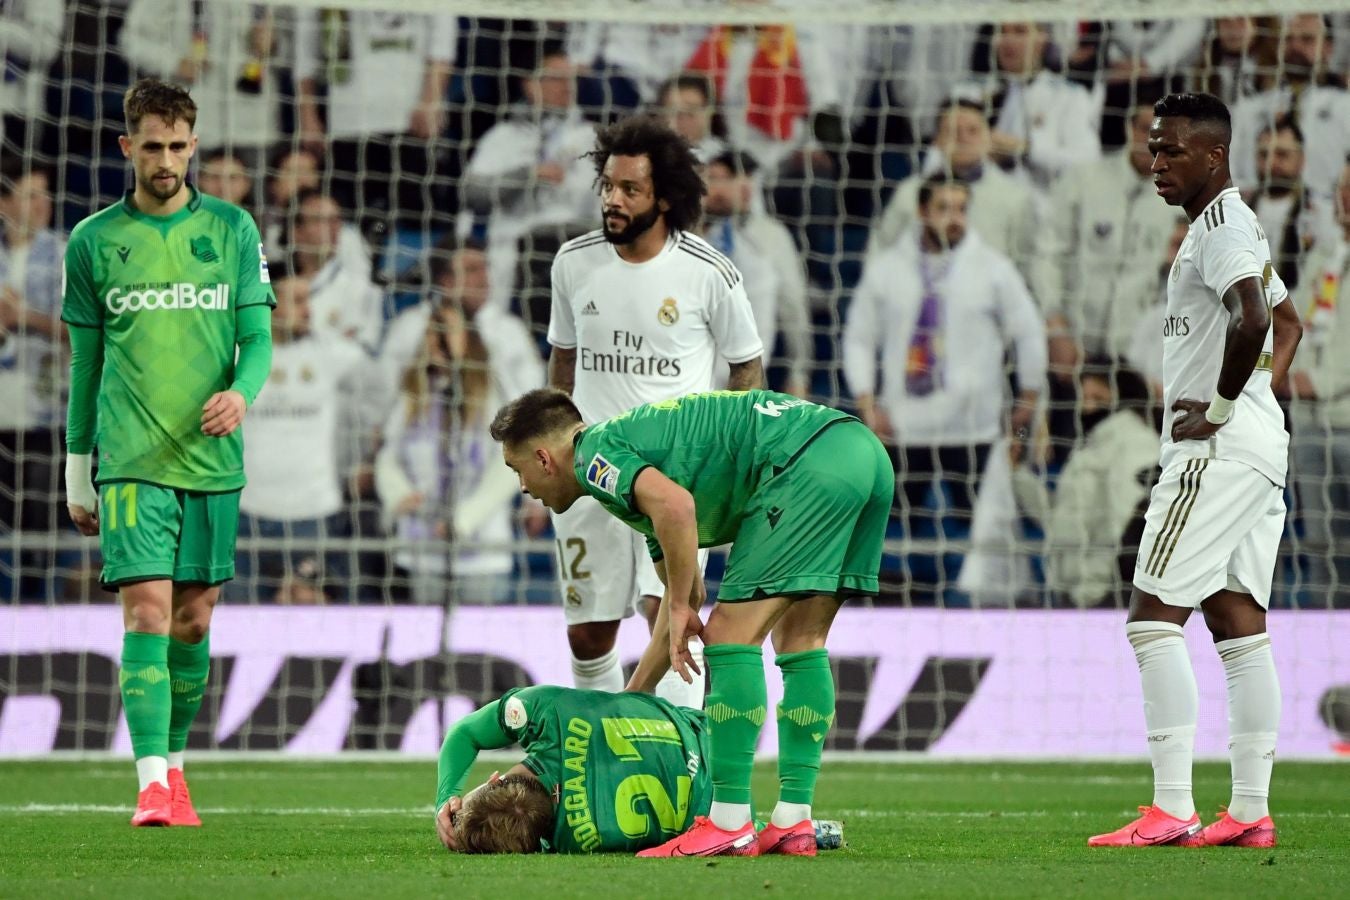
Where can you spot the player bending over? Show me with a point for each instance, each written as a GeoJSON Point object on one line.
{"type": "Point", "coordinates": [1215, 516]}
{"type": "Point", "coordinates": [602, 772]}
{"type": "Point", "coordinates": [802, 492]}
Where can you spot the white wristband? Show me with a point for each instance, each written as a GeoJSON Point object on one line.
{"type": "Point", "coordinates": [79, 481]}
{"type": "Point", "coordinates": [1220, 410]}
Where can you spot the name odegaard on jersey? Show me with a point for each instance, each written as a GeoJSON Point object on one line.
{"type": "Point", "coordinates": [163, 295]}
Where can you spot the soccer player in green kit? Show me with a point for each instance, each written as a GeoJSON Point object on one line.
{"type": "Point", "coordinates": [802, 492]}
{"type": "Point", "coordinates": [602, 772]}
{"type": "Point", "coordinates": [161, 291]}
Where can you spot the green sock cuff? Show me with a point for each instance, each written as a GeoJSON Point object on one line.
{"type": "Point", "coordinates": [187, 657]}
{"type": "Point", "coordinates": [805, 659]}
{"type": "Point", "coordinates": [146, 648]}
{"type": "Point", "coordinates": [733, 654]}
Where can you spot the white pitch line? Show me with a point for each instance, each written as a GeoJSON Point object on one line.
{"type": "Point", "coordinates": [63, 809]}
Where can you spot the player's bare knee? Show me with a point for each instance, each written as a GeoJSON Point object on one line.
{"type": "Point", "coordinates": [146, 616]}
{"type": "Point", "coordinates": [1145, 607]}
{"type": "Point", "coordinates": [592, 640]}
{"type": "Point", "coordinates": [1230, 615]}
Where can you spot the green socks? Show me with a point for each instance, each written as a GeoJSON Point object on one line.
{"type": "Point", "coordinates": [144, 681]}
{"type": "Point", "coordinates": [737, 706]}
{"type": "Point", "coordinates": [804, 719]}
{"type": "Point", "coordinates": [189, 666]}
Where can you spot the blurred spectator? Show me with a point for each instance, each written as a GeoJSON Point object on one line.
{"type": "Point", "coordinates": [385, 76]}
{"type": "Point", "coordinates": [1313, 96]}
{"type": "Point", "coordinates": [531, 170]}
{"type": "Point", "coordinates": [686, 102]}
{"type": "Point", "coordinates": [940, 306]}
{"type": "Point", "coordinates": [30, 299]}
{"type": "Point", "coordinates": [633, 60]}
{"type": "Point", "coordinates": [292, 455]}
{"type": "Point", "coordinates": [1042, 122]}
{"type": "Point", "coordinates": [920, 65]}
{"type": "Point", "coordinates": [290, 170]}
{"type": "Point", "coordinates": [1320, 384]}
{"type": "Point", "coordinates": [1002, 210]}
{"type": "Point", "coordinates": [330, 253]}
{"type": "Point", "coordinates": [1099, 493]}
{"type": "Point", "coordinates": [460, 281]}
{"type": "Point", "coordinates": [1096, 271]}
{"type": "Point", "coordinates": [1111, 59]}
{"type": "Point", "coordinates": [765, 87]}
{"type": "Point", "coordinates": [439, 475]}
{"type": "Point", "coordinates": [1145, 353]}
{"type": "Point", "coordinates": [31, 36]}
{"type": "Point", "coordinates": [225, 54]}
{"type": "Point", "coordinates": [31, 368]}
{"type": "Point", "coordinates": [1236, 58]}
{"type": "Point", "coordinates": [762, 249]}
{"type": "Point", "coordinates": [1291, 217]}
{"type": "Point", "coordinates": [222, 174]}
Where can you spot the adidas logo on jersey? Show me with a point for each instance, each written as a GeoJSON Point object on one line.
{"type": "Point", "coordinates": [134, 298]}
{"type": "Point", "coordinates": [590, 309]}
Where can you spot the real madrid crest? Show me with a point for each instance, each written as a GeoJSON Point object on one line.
{"type": "Point", "coordinates": [669, 313]}
{"type": "Point", "coordinates": [1176, 269]}
{"type": "Point", "coordinates": [573, 596]}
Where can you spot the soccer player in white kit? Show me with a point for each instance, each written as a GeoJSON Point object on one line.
{"type": "Point", "coordinates": [1217, 512]}
{"type": "Point", "coordinates": [642, 308]}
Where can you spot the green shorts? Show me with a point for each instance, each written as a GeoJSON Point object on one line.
{"type": "Point", "coordinates": [148, 532]}
{"type": "Point", "coordinates": [818, 525]}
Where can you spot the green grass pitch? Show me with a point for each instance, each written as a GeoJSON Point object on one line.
{"type": "Point", "coordinates": [364, 829]}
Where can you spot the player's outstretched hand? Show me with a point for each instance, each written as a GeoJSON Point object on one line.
{"type": "Point", "coordinates": [85, 520]}
{"type": "Point", "coordinates": [445, 822]}
{"type": "Point", "coordinates": [222, 413]}
{"type": "Point", "coordinates": [1192, 425]}
{"type": "Point", "coordinates": [684, 624]}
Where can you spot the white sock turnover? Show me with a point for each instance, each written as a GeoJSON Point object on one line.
{"type": "Point", "coordinates": [1171, 706]}
{"type": "Point", "coordinates": [1253, 720]}
{"type": "Point", "coordinates": [150, 769]}
{"type": "Point", "coordinates": [176, 759]}
{"type": "Point", "coordinates": [600, 674]}
{"type": "Point", "coordinates": [730, 816]}
{"type": "Point", "coordinates": [785, 815]}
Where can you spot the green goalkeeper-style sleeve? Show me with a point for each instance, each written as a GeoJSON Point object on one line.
{"type": "Point", "coordinates": [86, 371]}
{"type": "Point", "coordinates": [480, 730]}
{"type": "Point", "coordinates": [253, 334]}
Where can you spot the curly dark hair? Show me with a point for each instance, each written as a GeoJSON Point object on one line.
{"type": "Point", "coordinates": [152, 97]}
{"type": "Point", "coordinates": [675, 176]}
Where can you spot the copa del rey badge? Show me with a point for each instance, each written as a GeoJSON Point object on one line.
{"type": "Point", "coordinates": [514, 714]}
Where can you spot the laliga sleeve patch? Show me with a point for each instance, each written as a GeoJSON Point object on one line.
{"type": "Point", "coordinates": [263, 274]}
{"type": "Point", "coordinates": [514, 715]}
{"type": "Point", "coordinates": [602, 474]}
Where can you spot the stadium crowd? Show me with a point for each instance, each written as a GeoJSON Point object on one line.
{"type": "Point", "coordinates": [412, 176]}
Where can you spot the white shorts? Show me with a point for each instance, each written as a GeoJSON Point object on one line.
{"type": "Point", "coordinates": [1211, 525]}
{"type": "Point", "coordinates": [603, 565]}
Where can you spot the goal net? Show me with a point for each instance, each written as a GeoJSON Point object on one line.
{"type": "Point", "coordinates": [414, 167]}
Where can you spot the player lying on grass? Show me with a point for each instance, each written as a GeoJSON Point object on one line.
{"type": "Point", "coordinates": [802, 492]}
{"type": "Point", "coordinates": [602, 772]}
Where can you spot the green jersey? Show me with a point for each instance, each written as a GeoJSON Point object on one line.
{"type": "Point", "coordinates": [719, 446]}
{"type": "Point", "coordinates": [628, 770]}
{"type": "Point", "coordinates": [164, 290]}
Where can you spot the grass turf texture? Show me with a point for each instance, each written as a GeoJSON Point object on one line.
{"type": "Point", "coordinates": [364, 829]}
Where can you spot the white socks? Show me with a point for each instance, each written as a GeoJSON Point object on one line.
{"type": "Point", "coordinates": [1253, 719]}
{"type": "Point", "coordinates": [785, 815]}
{"type": "Point", "coordinates": [150, 769]}
{"type": "Point", "coordinates": [1171, 706]}
{"type": "Point", "coordinates": [600, 674]}
{"type": "Point", "coordinates": [730, 816]}
{"type": "Point", "coordinates": [176, 759]}
{"type": "Point", "coordinates": [673, 689]}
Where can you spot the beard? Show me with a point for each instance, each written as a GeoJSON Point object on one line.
{"type": "Point", "coordinates": [1280, 187]}
{"type": "Point", "coordinates": [161, 193]}
{"type": "Point", "coordinates": [636, 227]}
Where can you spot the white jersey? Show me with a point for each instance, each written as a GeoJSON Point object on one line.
{"type": "Point", "coordinates": [1224, 245]}
{"type": "Point", "coordinates": [293, 443]}
{"type": "Point", "coordinates": [648, 331]}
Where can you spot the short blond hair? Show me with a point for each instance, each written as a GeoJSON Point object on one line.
{"type": "Point", "coordinates": [514, 815]}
